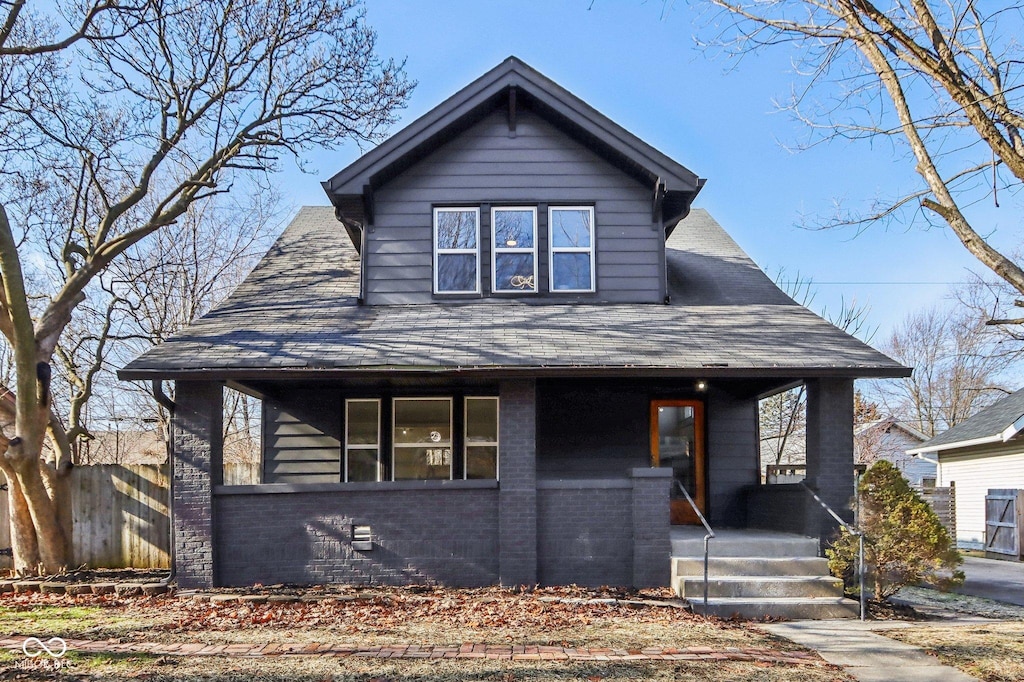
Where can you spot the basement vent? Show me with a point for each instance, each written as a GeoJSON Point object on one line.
{"type": "Point", "coordinates": [362, 538]}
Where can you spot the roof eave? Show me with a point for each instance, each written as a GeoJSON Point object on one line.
{"type": "Point", "coordinates": [955, 445]}
{"type": "Point", "coordinates": [214, 373]}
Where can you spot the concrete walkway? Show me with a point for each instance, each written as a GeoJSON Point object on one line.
{"type": "Point", "coordinates": [993, 579]}
{"type": "Point", "coordinates": [869, 656]}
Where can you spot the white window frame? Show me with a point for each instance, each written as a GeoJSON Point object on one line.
{"type": "Point", "coordinates": [465, 436]}
{"type": "Point", "coordinates": [363, 446]}
{"type": "Point", "coordinates": [552, 250]}
{"type": "Point", "coordinates": [451, 435]}
{"type": "Point", "coordinates": [497, 250]}
{"type": "Point", "coordinates": [474, 251]}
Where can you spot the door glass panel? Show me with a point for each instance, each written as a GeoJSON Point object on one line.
{"type": "Point", "coordinates": [677, 446]}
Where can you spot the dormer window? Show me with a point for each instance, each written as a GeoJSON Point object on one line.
{"type": "Point", "coordinates": [571, 236]}
{"type": "Point", "coordinates": [514, 239]}
{"type": "Point", "coordinates": [457, 250]}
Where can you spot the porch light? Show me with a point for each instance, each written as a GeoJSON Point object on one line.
{"type": "Point", "coordinates": [702, 386]}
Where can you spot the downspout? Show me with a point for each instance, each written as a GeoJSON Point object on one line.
{"type": "Point", "coordinates": [168, 404]}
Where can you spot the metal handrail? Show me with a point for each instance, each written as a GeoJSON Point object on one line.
{"type": "Point", "coordinates": [709, 536]}
{"type": "Point", "coordinates": [859, 534]}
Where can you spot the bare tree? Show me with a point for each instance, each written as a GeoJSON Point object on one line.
{"type": "Point", "coordinates": [155, 289]}
{"type": "Point", "coordinates": [958, 369]}
{"type": "Point", "coordinates": [145, 111]}
{"type": "Point", "coordinates": [942, 81]}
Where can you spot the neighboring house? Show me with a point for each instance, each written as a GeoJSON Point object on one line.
{"type": "Point", "coordinates": [492, 360]}
{"type": "Point", "coordinates": [982, 453]}
{"type": "Point", "coordinates": [889, 439]}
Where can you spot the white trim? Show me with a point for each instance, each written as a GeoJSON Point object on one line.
{"type": "Point", "coordinates": [451, 435]}
{"type": "Point", "coordinates": [498, 250]}
{"type": "Point", "coordinates": [1013, 429]}
{"type": "Point", "coordinates": [552, 250]}
{"type": "Point", "coordinates": [474, 251]}
{"type": "Point", "coordinates": [497, 434]}
{"type": "Point", "coordinates": [959, 444]}
{"type": "Point", "coordinates": [348, 446]}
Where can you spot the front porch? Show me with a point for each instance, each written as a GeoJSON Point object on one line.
{"type": "Point", "coordinates": [574, 497]}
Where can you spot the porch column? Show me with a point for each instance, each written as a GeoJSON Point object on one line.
{"type": "Point", "coordinates": [652, 529]}
{"type": "Point", "coordinates": [517, 497]}
{"type": "Point", "coordinates": [829, 452]}
{"type": "Point", "coordinates": [197, 467]}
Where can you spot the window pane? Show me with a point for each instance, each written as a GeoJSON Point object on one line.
{"type": "Point", "coordinates": [570, 228]}
{"type": "Point", "coordinates": [456, 272]}
{"type": "Point", "coordinates": [481, 420]}
{"type": "Point", "coordinates": [362, 465]}
{"type": "Point", "coordinates": [423, 421]}
{"type": "Point", "coordinates": [422, 463]}
{"type": "Point", "coordinates": [482, 462]}
{"type": "Point", "coordinates": [456, 229]}
{"type": "Point", "coordinates": [571, 271]}
{"type": "Point", "coordinates": [362, 422]}
{"type": "Point", "coordinates": [513, 272]}
{"type": "Point", "coordinates": [513, 229]}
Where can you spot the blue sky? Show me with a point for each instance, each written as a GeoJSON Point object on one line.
{"type": "Point", "coordinates": [717, 117]}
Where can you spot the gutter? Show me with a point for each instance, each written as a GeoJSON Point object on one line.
{"type": "Point", "coordinates": [168, 404]}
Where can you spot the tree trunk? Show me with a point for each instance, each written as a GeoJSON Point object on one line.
{"type": "Point", "coordinates": [23, 534]}
{"type": "Point", "coordinates": [50, 538]}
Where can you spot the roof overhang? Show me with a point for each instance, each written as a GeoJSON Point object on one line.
{"type": "Point", "coordinates": [1001, 437]}
{"type": "Point", "coordinates": [513, 84]}
{"type": "Point", "coordinates": [502, 372]}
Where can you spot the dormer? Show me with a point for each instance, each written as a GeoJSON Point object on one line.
{"type": "Point", "coordinates": [512, 189]}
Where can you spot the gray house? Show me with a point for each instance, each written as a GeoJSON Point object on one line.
{"type": "Point", "coordinates": [497, 358]}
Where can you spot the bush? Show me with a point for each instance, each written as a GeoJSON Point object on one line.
{"type": "Point", "coordinates": [904, 541]}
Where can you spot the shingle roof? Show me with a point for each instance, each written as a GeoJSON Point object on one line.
{"type": "Point", "coordinates": [297, 313]}
{"type": "Point", "coordinates": [996, 423]}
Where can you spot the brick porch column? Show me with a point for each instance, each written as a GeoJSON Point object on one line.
{"type": "Point", "coordinates": [652, 542]}
{"type": "Point", "coordinates": [829, 452]}
{"type": "Point", "coordinates": [517, 498]}
{"type": "Point", "coordinates": [198, 451]}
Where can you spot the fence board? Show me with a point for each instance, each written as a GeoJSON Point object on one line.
{"type": "Point", "coordinates": [120, 515]}
{"type": "Point", "coordinates": [943, 502]}
{"type": "Point", "coordinates": [1004, 523]}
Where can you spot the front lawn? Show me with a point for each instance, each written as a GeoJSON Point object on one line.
{"type": "Point", "coordinates": [555, 617]}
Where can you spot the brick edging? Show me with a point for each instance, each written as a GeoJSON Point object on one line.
{"type": "Point", "coordinates": [413, 651]}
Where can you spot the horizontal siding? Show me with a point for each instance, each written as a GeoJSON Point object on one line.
{"type": "Point", "coordinates": [486, 166]}
{"type": "Point", "coordinates": [299, 446]}
{"type": "Point", "coordinates": [974, 475]}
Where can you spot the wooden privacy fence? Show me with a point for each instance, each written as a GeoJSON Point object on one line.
{"type": "Point", "coordinates": [1004, 523]}
{"type": "Point", "coordinates": [943, 502]}
{"type": "Point", "coordinates": [120, 514]}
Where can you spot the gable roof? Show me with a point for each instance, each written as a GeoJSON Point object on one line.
{"type": "Point", "coordinates": [889, 424]}
{"type": "Point", "coordinates": [997, 423]}
{"type": "Point", "coordinates": [297, 316]}
{"type": "Point", "coordinates": [513, 84]}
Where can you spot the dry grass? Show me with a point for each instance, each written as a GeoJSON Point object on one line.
{"type": "Point", "coordinates": [440, 617]}
{"type": "Point", "coordinates": [992, 652]}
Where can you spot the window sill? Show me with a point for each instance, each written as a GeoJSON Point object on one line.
{"type": "Point", "coordinates": [382, 486]}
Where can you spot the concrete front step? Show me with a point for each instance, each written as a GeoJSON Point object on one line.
{"type": "Point", "coordinates": [746, 544]}
{"type": "Point", "coordinates": [792, 608]}
{"type": "Point", "coordinates": [692, 586]}
{"type": "Point", "coordinates": [751, 566]}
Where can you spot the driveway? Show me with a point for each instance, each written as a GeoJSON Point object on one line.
{"type": "Point", "coordinates": [993, 579]}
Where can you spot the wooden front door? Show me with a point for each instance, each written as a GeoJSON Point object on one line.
{"type": "Point", "coordinates": [677, 441]}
